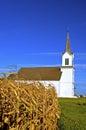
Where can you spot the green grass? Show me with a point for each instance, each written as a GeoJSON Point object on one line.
{"type": "Point", "coordinates": [73, 114]}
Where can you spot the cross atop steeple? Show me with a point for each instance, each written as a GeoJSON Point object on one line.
{"type": "Point", "coordinates": [68, 49]}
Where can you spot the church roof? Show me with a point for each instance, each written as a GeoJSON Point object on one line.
{"type": "Point", "coordinates": [68, 48]}
{"type": "Point", "coordinates": [39, 73]}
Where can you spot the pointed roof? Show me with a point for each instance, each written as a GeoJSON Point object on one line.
{"type": "Point", "coordinates": [68, 48]}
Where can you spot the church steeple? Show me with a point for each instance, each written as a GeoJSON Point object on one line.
{"type": "Point", "coordinates": [67, 56]}
{"type": "Point", "coordinates": [67, 68]}
{"type": "Point", "coordinates": [68, 48]}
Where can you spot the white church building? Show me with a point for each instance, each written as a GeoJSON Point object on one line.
{"type": "Point", "coordinates": [61, 77]}
{"type": "Point", "coordinates": [67, 79]}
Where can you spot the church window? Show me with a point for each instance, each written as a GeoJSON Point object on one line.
{"type": "Point", "coordinates": [66, 61]}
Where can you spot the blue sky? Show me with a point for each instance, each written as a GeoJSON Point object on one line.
{"type": "Point", "coordinates": [33, 33]}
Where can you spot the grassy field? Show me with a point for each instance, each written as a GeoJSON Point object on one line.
{"type": "Point", "coordinates": [73, 114]}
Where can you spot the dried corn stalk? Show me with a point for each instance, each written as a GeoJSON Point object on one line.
{"type": "Point", "coordinates": [28, 106]}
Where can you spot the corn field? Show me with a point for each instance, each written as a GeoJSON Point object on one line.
{"type": "Point", "coordinates": [28, 106]}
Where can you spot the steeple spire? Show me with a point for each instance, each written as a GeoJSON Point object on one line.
{"type": "Point", "coordinates": [68, 49]}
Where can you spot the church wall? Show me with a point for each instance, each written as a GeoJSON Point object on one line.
{"type": "Point", "coordinates": [67, 82]}
{"type": "Point", "coordinates": [66, 90]}
{"type": "Point", "coordinates": [47, 83]}
{"type": "Point", "coordinates": [67, 75]}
